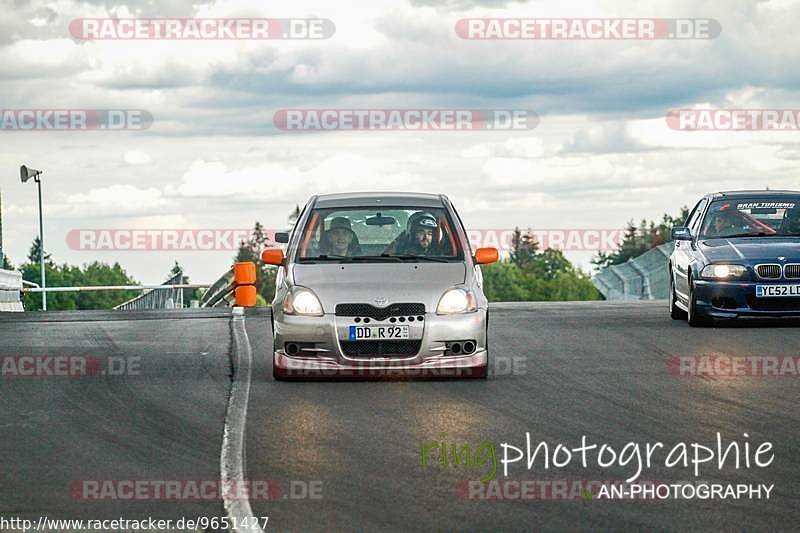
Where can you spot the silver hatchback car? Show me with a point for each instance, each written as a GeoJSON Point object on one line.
{"type": "Point", "coordinates": [379, 285]}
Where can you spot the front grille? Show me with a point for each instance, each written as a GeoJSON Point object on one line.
{"type": "Point", "coordinates": [791, 271]}
{"type": "Point", "coordinates": [769, 271]}
{"type": "Point", "coordinates": [381, 348]}
{"type": "Point", "coordinates": [380, 313]}
{"type": "Point", "coordinates": [773, 304]}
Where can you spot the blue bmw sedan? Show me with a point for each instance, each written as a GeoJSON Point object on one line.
{"type": "Point", "coordinates": [737, 255]}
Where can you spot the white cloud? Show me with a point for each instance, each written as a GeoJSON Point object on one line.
{"type": "Point", "coordinates": [134, 157]}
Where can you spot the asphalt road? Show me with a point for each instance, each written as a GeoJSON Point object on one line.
{"type": "Point", "coordinates": [348, 454]}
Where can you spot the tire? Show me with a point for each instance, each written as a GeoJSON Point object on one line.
{"type": "Point", "coordinates": [696, 320]}
{"type": "Point", "coordinates": [675, 312]}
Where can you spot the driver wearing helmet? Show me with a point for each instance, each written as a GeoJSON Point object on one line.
{"type": "Point", "coordinates": [420, 238]}
{"type": "Point", "coordinates": [723, 222]}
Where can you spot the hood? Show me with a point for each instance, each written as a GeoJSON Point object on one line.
{"type": "Point", "coordinates": [751, 249]}
{"type": "Point", "coordinates": [363, 283]}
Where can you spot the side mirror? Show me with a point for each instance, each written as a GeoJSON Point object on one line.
{"type": "Point", "coordinates": [681, 233]}
{"type": "Point", "coordinates": [484, 256]}
{"type": "Point", "coordinates": [272, 256]}
{"type": "Point", "coordinates": [282, 237]}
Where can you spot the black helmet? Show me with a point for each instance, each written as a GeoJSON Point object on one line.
{"type": "Point", "coordinates": [421, 220]}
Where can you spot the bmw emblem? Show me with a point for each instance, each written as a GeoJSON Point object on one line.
{"type": "Point", "coordinates": [781, 258]}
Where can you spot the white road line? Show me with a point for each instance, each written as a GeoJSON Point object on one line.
{"type": "Point", "coordinates": [232, 458]}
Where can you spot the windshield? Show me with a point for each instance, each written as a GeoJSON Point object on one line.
{"type": "Point", "coordinates": [753, 217]}
{"type": "Point", "coordinates": [388, 234]}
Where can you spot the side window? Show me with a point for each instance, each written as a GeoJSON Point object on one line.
{"type": "Point", "coordinates": [694, 217]}
{"type": "Point", "coordinates": [694, 223]}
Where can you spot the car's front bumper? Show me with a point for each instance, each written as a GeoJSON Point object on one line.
{"type": "Point", "coordinates": [729, 299]}
{"type": "Point", "coordinates": [325, 357]}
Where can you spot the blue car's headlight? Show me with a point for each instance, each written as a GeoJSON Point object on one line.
{"type": "Point", "coordinates": [723, 271]}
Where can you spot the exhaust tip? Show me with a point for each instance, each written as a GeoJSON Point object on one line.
{"type": "Point", "coordinates": [455, 347]}
{"type": "Point", "coordinates": [469, 347]}
{"type": "Point", "coordinates": [292, 348]}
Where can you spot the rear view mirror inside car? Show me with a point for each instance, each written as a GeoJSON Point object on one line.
{"type": "Point", "coordinates": [379, 220]}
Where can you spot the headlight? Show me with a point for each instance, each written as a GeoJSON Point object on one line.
{"type": "Point", "coordinates": [723, 271]}
{"type": "Point", "coordinates": [456, 301]}
{"type": "Point", "coordinates": [300, 301]}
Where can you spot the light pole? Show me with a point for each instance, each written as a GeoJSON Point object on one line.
{"type": "Point", "coordinates": [25, 174]}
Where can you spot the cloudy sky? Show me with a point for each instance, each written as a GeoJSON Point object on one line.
{"type": "Point", "coordinates": [601, 154]}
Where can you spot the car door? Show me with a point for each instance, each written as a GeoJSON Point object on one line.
{"type": "Point", "coordinates": [683, 256]}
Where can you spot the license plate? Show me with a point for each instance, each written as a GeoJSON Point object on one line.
{"type": "Point", "coordinates": [777, 291]}
{"type": "Point", "coordinates": [358, 333]}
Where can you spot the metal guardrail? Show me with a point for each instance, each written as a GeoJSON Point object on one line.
{"type": "Point", "coordinates": [220, 294]}
{"type": "Point", "coordinates": [642, 278]}
{"type": "Point", "coordinates": [10, 291]}
{"type": "Point", "coordinates": [158, 298]}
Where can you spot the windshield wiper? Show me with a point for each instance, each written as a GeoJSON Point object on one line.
{"type": "Point", "coordinates": [382, 257]}
{"type": "Point", "coordinates": [327, 257]}
{"type": "Point", "coordinates": [739, 235]}
{"type": "Point", "coordinates": [413, 257]}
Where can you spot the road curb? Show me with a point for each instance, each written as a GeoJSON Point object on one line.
{"type": "Point", "coordinates": [232, 457]}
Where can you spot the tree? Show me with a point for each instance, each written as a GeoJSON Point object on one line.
{"type": "Point", "coordinates": [523, 248]}
{"type": "Point", "coordinates": [639, 239]}
{"type": "Point", "coordinates": [293, 216]}
{"type": "Point", "coordinates": [33, 253]}
{"type": "Point", "coordinates": [7, 265]}
{"type": "Point", "coordinates": [530, 275]}
{"type": "Point", "coordinates": [66, 275]}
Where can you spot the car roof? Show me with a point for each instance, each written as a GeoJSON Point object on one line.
{"type": "Point", "coordinates": [365, 199]}
{"type": "Point", "coordinates": [762, 193]}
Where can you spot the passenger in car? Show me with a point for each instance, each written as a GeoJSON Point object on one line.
{"type": "Point", "coordinates": [340, 239]}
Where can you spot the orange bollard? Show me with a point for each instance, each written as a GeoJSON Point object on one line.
{"type": "Point", "coordinates": [245, 296]}
{"type": "Point", "coordinates": [244, 273]}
